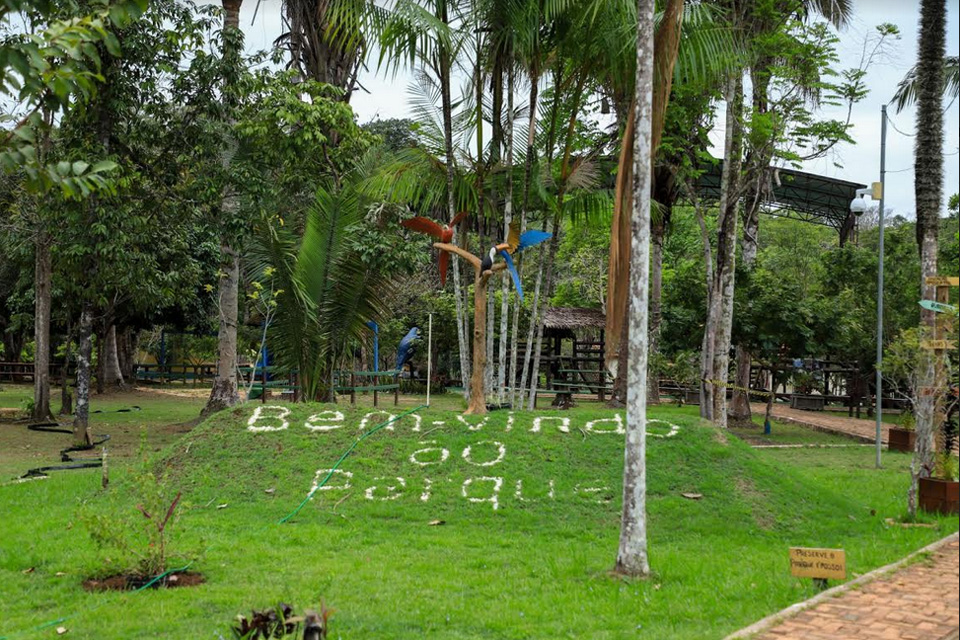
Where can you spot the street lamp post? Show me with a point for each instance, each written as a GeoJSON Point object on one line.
{"type": "Point", "coordinates": [857, 207]}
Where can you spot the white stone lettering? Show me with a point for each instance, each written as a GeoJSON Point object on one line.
{"type": "Point", "coordinates": [474, 427]}
{"type": "Point", "coordinates": [274, 416]}
{"type": "Point", "coordinates": [322, 474]}
{"type": "Point", "coordinates": [509, 421]}
{"type": "Point", "coordinates": [564, 425]}
{"type": "Point", "coordinates": [592, 491]}
{"type": "Point", "coordinates": [501, 453]}
{"type": "Point", "coordinates": [427, 485]}
{"type": "Point", "coordinates": [674, 429]}
{"type": "Point", "coordinates": [519, 492]}
{"type": "Point", "coordinates": [416, 456]}
{"type": "Point", "coordinates": [616, 420]}
{"type": "Point", "coordinates": [324, 421]}
{"type": "Point", "coordinates": [393, 491]}
{"type": "Point", "coordinates": [492, 498]}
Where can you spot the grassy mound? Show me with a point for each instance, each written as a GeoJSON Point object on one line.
{"type": "Point", "coordinates": [530, 507]}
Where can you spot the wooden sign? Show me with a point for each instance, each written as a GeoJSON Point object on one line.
{"type": "Point", "coordinates": [826, 564]}
{"type": "Point", "coordinates": [942, 281]}
{"type": "Point", "coordinates": [933, 345]}
{"type": "Point", "coordinates": [939, 307]}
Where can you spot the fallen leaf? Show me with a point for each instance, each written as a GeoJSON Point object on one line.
{"type": "Point", "coordinates": [436, 523]}
{"type": "Point", "coordinates": [30, 570]}
{"type": "Point", "coordinates": [60, 574]}
{"type": "Point", "coordinates": [173, 579]}
{"type": "Point", "coordinates": [692, 496]}
{"type": "Point", "coordinates": [271, 490]}
{"type": "Point", "coordinates": [61, 631]}
{"type": "Point", "coordinates": [222, 506]}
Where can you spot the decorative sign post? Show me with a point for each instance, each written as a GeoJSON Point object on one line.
{"type": "Point", "coordinates": [819, 564]}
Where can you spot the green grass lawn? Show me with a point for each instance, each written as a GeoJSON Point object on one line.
{"type": "Point", "coordinates": [536, 566]}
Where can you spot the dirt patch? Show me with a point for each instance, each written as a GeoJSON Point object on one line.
{"type": "Point", "coordinates": [754, 497]}
{"type": "Point", "coordinates": [128, 582]}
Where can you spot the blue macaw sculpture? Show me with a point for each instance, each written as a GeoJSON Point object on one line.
{"type": "Point", "coordinates": [516, 242]}
{"type": "Point", "coordinates": [407, 346]}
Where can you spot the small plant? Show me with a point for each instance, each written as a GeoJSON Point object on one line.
{"type": "Point", "coordinates": [946, 467]}
{"type": "Point", "coordinates": [139, 534]}
{"type": "Point", "coordinates": [907, 421]}
{"type": "Point", "coordinates": [280, 622]}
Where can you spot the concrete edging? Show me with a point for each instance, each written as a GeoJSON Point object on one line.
{"type": "Point", "coordinates": [785, 614]}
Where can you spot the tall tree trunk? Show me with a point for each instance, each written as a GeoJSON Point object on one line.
{"type": "Point", "coordinates": [658, 231]}
{"type": "Point", "coordinates": [66, 400]}
{"type": "Point", "coordinates": [459, 288]}
{"type": "Point", "coordinates": [632, 553]}
{"type": "Point", "coordinates": [761, 154]}
{"type": "Point", "coordinates": [112, 374]}
{"type": "Point", "coordinates": [507, 219]}
{"type": "Point", "coordinates": [527, 172]}
{"type": "Point", "coordinates": [547, 270]}
{"type": "Point", "coordinates": [666, 49]}
{"type": "Point", "coordinates": [928, 187]}
{"type": "Point", "coordinates": [81, 419]}
{"type": "Point", "coordinates": [224, 392]}
{"type": "Point", "coordinates": [547, 266]}
{"type": "Point", "coordinates": [720, 316]}
{"type": "Point", "coordinates": [43, 276]}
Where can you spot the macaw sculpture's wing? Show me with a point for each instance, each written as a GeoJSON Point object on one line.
{"type": "Point", "coordinates": [457, 218]}
{"type": "Point", "coordinates": [406, 347]}
{"type": "Point", "coordinates": [444, 261]}
{"type": "Point", "coordinates": [513, 273]}
{"type": "Point", "coordinates": [513, 237]}
{"type": "Point", "coordinates": [424, 225]}
{"type": "Point", "coordinates": [532, 238]}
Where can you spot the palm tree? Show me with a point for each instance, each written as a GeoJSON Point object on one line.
{"type": "Point", "coordinates": [632, 552]}
{"type": "Point", "coordinates": [327, 39]}
{"type": "Point", "coordinates": [928, 187]}
{"type": "Point", "coordinates": [907, 90]}
{"type": "Point", "coordinates": [327, 293]}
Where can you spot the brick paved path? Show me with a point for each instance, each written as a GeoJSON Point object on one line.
{"type": "Point", "coordinates": [859, 429]}
{"type": "Point", "coordinates": [919, 602]}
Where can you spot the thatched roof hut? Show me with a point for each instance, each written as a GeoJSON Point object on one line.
{"type": "Point", "coordinates": [565, 321]}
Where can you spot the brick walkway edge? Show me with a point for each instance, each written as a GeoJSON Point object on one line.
{"type": "Point", "coordinates": [895, 602]}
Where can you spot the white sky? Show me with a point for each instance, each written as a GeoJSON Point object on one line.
{"type": "Point", "coordinates": [387, 97]}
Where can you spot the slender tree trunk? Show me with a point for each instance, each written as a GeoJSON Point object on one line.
{"type": "Point", "coordinates": [632, 553]}
{"type": "Point", "coordinates": [66, 400]}
{"type": "Point", "coordinates": [113, 376]}
{"type": "Point", "coordinates": [547, 269]}
{"type": "Point", "coordinates": [81, 420]}
{"type": "Point", "coordinates": [527, 172]}
{"type": "Point", "coordinates": [657, 233]}
{"type": "Point", "coordinates": [706, 345]}
{"type": "Point", "coordinates": [666, 49]}
{"type": "Point", "coordinates": [100, 336]}
{"type": "Point", "coordinates": [547, 266]}
{"type": "Point", "coordinates": [43, 276]}
{"type": "Point", "coordinates": [224, 392]}
{"type": "Point", "coordinates": [505, 279]}
{"type": "Point", "coordinates": [720, 318]}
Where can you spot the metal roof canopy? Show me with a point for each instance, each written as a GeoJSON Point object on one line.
{"type": "Point", "coordinates": [798, 195]}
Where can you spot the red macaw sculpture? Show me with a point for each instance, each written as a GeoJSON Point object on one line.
{"type": "Point", "coordinates": [443, 234]}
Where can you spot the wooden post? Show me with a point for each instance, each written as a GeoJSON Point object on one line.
{"type": "Point", "coordinates": [263, 391]}
{"type": "Point", "coordinates": [478, 403]}
{"type": "Point", "coordinates": [353, 388]}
